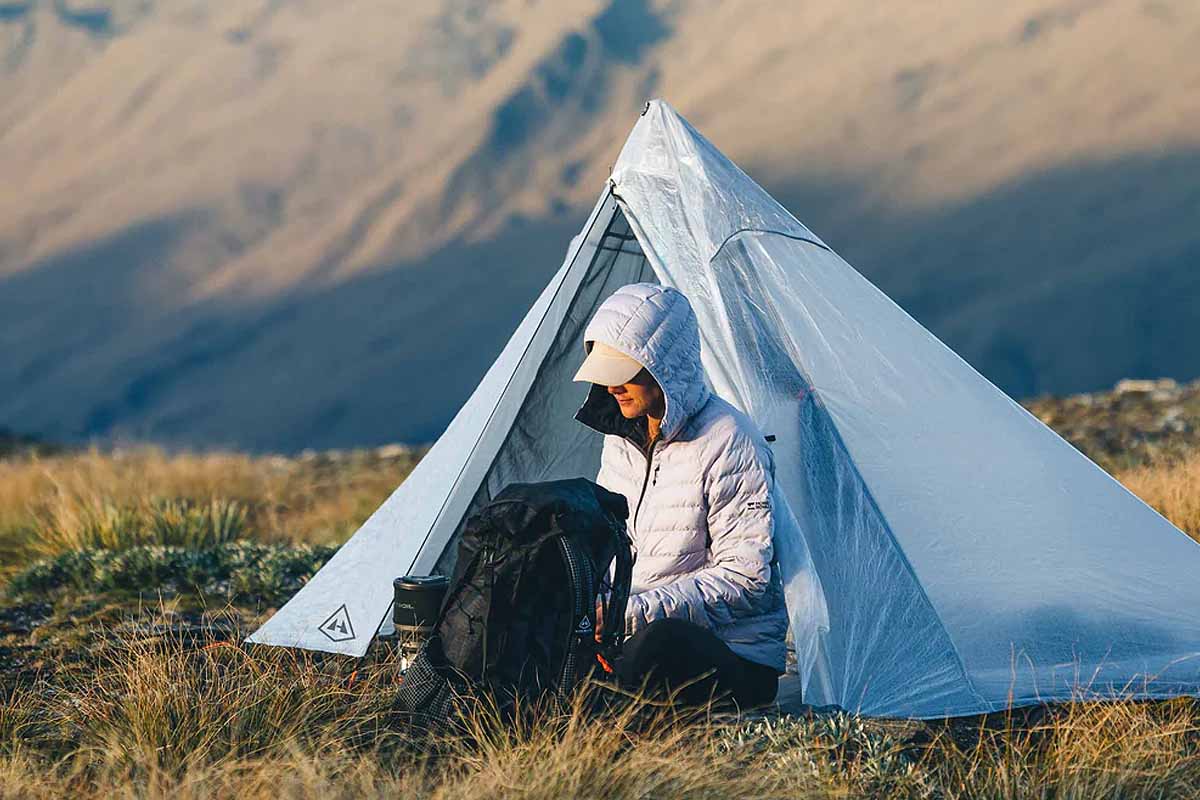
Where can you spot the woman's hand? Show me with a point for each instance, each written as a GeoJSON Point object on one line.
{"type": "Point", "coordinates": [599, 619]}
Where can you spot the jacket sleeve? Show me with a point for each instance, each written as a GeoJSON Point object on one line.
{"type": "Point", "coordinates": [736, 578]}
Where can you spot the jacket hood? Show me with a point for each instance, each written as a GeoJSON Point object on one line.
{"type": "Point", "coordinates": [655, 326]}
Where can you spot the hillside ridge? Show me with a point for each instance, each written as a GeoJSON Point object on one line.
{"type": "Point", "coordinates": [258, 223]}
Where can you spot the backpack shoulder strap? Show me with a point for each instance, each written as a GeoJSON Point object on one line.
{"type": "Point", "coordinates": [583, 591]}
{"type": "Point", "coordinates": [614, 630]}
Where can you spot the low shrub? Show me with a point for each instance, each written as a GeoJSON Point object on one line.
{"type": "Point", "coordinates": [241, 571]}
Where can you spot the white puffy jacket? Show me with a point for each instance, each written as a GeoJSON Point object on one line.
{"type": "Point", "coordinates": [700, 507]}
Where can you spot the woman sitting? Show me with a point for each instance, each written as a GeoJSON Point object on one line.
{"type": "Point", "coordinates": [706, 614]}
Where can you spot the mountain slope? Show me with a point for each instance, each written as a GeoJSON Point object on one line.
{"type": "Point", "coordinates": [286, 224]}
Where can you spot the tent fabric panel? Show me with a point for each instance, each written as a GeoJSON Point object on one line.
{"type": "Point", "coordinates": [359, 576]}
{"type": "Point", "coordinates": [545, 442]}
{"type": "Point", "coordinates": [513, 395]}
{"type": "Point", "coordinates": [830, 539]}
{"type": "Point", "coordinates": [1051, 578]}
{"type": "Point", "coordinates": [705, 196]}
{"type": "Point", "coordinates": [889, 653]}
{"type": "Point", "coordinates": [1048, 577]}
{"type": "Point", "coordinates": [850, 541]}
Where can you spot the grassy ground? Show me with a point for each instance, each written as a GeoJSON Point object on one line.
{"type": "Point", "coordinates": [75, 501]}
{"type": "Point", "coordinates": [1172, 488]}
{"type": "Point", "coordinates": [183, 716]}
{"type": "Point", "coordinates": [129, 580]}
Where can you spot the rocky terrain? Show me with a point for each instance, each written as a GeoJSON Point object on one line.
{"type": "Point", "coordinates": [1137, 422]}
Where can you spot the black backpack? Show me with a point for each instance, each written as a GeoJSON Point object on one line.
{"type": "Point", "coordinates": [519, 618]}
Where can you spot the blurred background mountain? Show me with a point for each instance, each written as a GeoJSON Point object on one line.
{"type": "Point", "coordinates": [276, 224]}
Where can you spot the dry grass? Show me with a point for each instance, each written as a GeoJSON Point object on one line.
{"type": "Point", "coordinates": [1172, 487]}
{"type": "Point", "coordinates": [94, 499]}
{"type": "Point", "coordinates": [171, 717]}
{"type": "Point", "coordinates": [148, 714]}
{"type": "Point", "coordinates": [90, 522]}
{"type": "Point", "coordinates": [84, 499]}
{"type": "Point", "coordinates": [1084, 750]}
{"type": "Point", "coordinates": [161, 717]}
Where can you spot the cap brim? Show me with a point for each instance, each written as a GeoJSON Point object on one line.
{"type": "Point", "coordinates": [607, 370]}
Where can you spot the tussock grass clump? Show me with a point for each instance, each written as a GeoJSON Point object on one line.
{"type": "Point", "coordinates": [637, 750]}
{"type": "Point", "coordinates": [1173, 488]}
{"type": "Point", "coordinates": [21, 719]}
{"type": "Point", "coordinates": [165, 704]}
{"type": "Point", "coordinates": [91, 499]}
{"type": "Point", "coordinates": [90, 523]}
{"type": "Point", "coordinates": [1119, 749]}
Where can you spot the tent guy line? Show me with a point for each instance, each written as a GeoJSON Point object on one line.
{"type": "Point", "coordinates": [743, 231]}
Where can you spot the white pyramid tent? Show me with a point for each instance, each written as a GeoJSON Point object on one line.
{"type": "Point", "coordinates": [948, 553]}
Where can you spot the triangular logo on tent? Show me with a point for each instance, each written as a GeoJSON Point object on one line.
{"type": "Point", "coordinates": [585, 626]}
{"type": "Point", "coordinates": [337, 627]}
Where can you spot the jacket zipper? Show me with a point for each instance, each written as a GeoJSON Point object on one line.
{"type": "Point", "coordinates": [645, 482]}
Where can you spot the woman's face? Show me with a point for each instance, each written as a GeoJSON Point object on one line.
{"type": "Point", "coordinates": [640, 397]}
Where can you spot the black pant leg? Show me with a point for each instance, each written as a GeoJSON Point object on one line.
{"type": "Point", "coordinates": [674, 654]}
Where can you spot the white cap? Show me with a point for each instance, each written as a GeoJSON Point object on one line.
{"type": "Point", "coordinates": [607, 366]}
